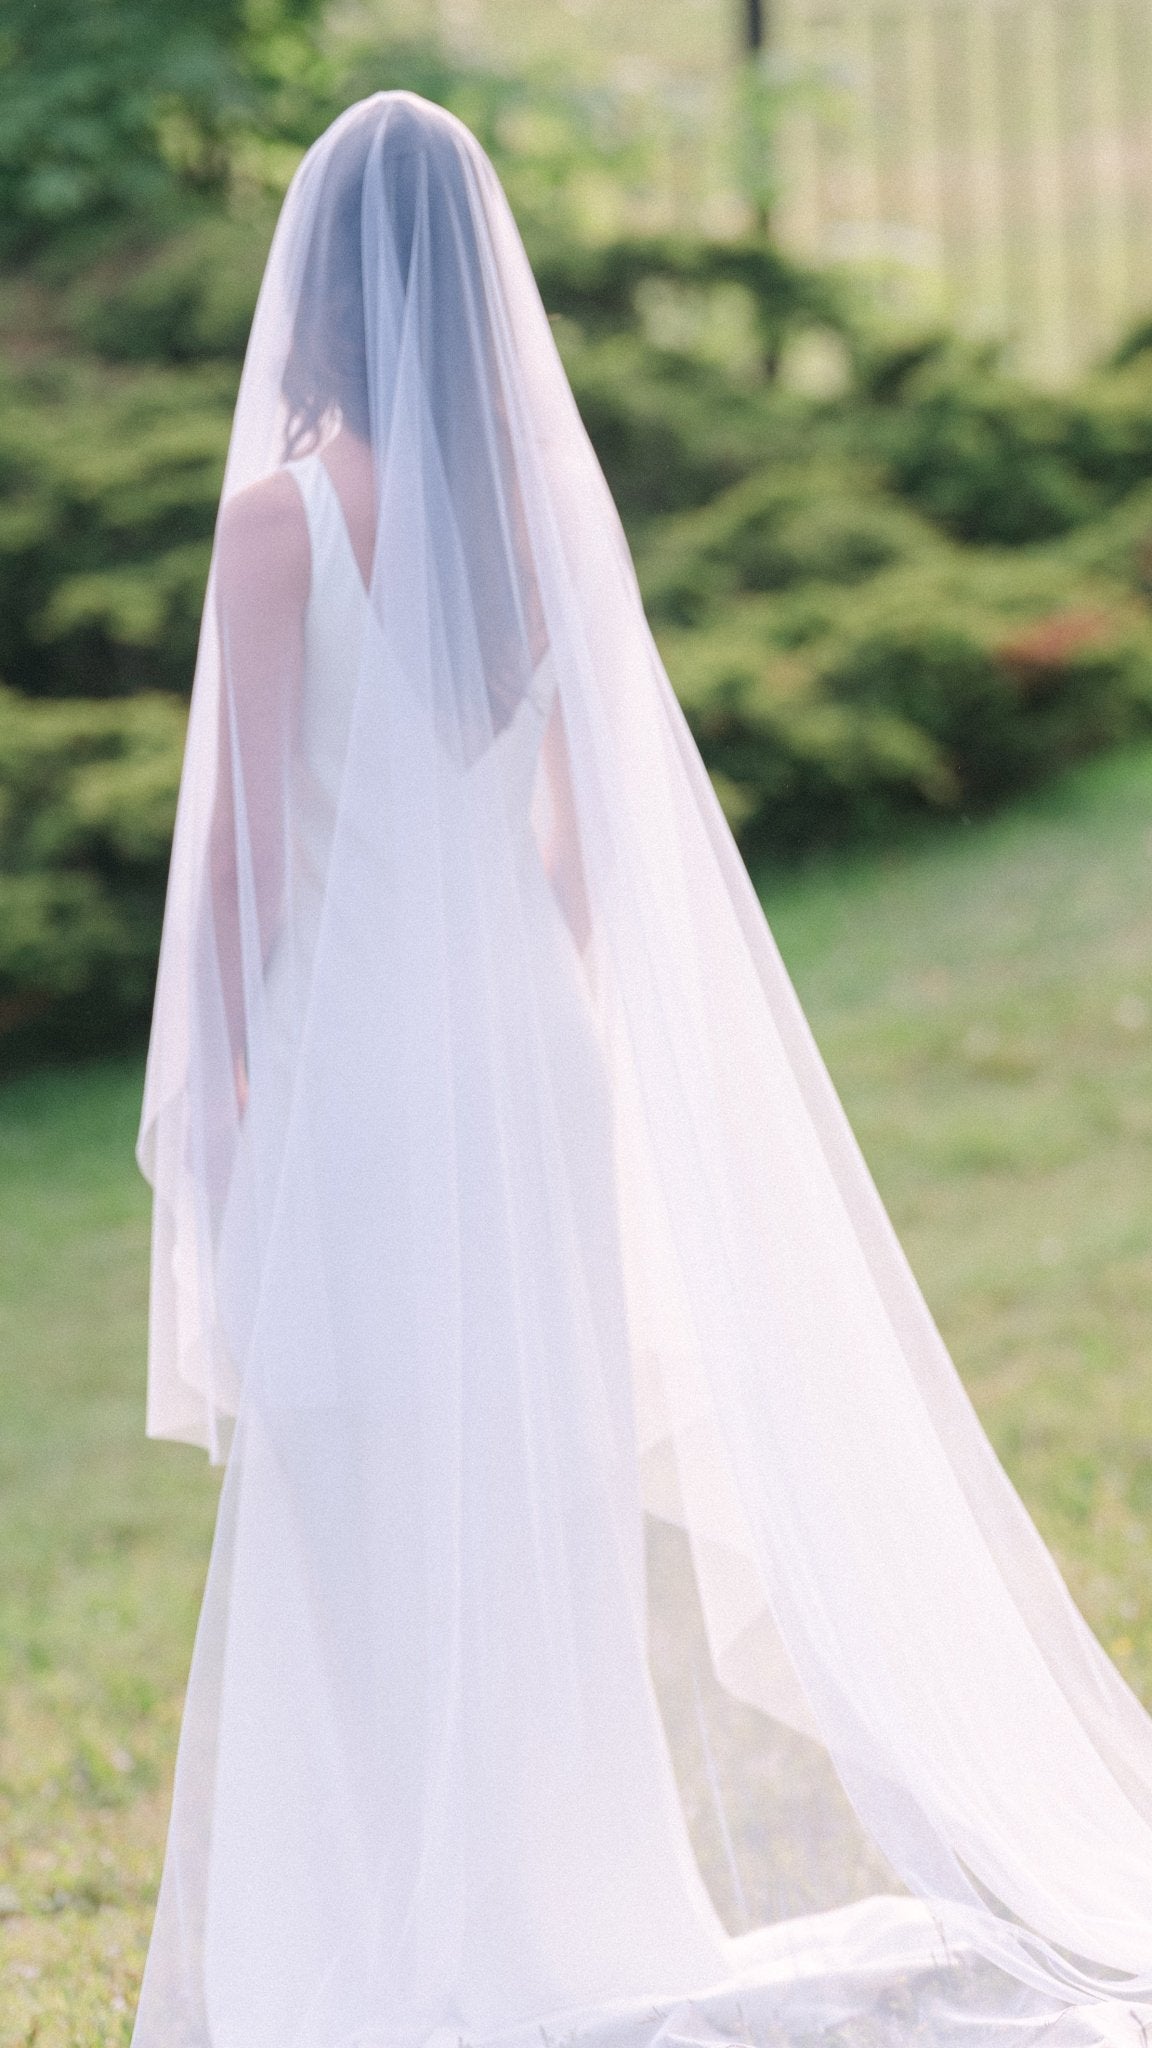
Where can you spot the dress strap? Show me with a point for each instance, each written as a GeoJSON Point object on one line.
{"type": "Point", "coordinates": [327, 527]}
{"type": "Point", "coordinates": [310, 486]}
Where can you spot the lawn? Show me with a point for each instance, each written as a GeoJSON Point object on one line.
{"type": "Point", "coordinates": [984, 1000]}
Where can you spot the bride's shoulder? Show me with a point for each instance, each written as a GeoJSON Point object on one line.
{"type": "Point", "coordinates": [264, 528]}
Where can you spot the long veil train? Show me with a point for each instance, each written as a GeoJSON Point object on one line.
{"type": "Point", "coordinates": [502, 1203]}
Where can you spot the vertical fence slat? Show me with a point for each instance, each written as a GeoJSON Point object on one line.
{"type": "Point", "coordinates": [986, 213]}
{"type": "Point", "coordinates": [1138, 77]}
{"type": "Point", "coordinates": [1046, 169]}
{"type": "Point", "coordinates": [799, 207]}
{"type": "Point", "coordinates": [920, 66]}
{"type": "Point", "coordinates": [866, 207]}
{"type": "Point", "coordinates": [1112, 284]}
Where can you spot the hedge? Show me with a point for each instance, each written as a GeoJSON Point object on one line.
{"type": "Point", "coordinates": [87, 801]}
{"type": "Point", "coordinates": [845, 668]}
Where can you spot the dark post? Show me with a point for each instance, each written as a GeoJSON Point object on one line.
{"type": "Point", "coordinates": [755, 44]}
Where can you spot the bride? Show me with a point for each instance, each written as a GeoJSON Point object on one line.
{"type": "Point", "coordinates": [503, 1210]}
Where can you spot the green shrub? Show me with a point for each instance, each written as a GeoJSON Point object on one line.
{"type": "Point", "coordinates": [671, 432]}
{"type": "Point", "coordinates": [792, 768]}
{"type": "Point", "coordinates": [994, 462]}
{"type": "Point", "coordinates": [1004, 697]}
{"type": "Point", "coordinates": [1118, 545]}
{"type": "Point", "coordinates": [87, 802]}
{"type": "Point", "coordinates": [804, 523]}
{"type": "Point", "coordinates": [1108, 436]}
{"type": "Point", "coordinates": [187, 299]}
{"type": "Point", "coordinates": [109, 484]}
{"type": "Point", "coordinates": [927, 691]}
{"type": "Point", "coordinates": [986, 460]}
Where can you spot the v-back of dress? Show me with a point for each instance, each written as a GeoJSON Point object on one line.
{"type": "Point", "coordinates": [337, 620]}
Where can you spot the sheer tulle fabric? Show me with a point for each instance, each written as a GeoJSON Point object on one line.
{"type": "Point", "coordinates": [503, 1208]}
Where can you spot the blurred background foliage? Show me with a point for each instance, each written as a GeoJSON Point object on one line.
{"type": "Point", "coordinates": [891, 582]}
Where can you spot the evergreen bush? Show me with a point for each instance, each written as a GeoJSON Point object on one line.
{"type": "Point", "coordinates": [834, 716]}
{"type": "Point", "coordinates": [87, 802]}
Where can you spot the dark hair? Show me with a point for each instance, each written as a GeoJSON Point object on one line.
{"type": "Point", "coordinates": [395, 170]}
{"type": "Point", "coordinates": [326, 372]}
{"type": "Point", "coordinates": [327, 368]}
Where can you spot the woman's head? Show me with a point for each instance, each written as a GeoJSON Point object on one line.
{"type": "Point", "coordinates": [395, 167]}
{"type": "Point", "coordinates": [398, 336]}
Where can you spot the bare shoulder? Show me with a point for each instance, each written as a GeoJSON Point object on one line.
{"type": "Point", "coordinates": [263, 531]}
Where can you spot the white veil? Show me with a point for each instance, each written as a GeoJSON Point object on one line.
{"type": "Point", "coordinates": [498, 1183]}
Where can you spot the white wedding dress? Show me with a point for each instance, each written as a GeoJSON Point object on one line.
{"type": "Point", "coordinates": [525, 1234]}
{"type": "Point", "coordinates": [489, 1762]}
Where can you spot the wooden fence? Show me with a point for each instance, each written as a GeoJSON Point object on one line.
{"type": "Point", "coordinates": [991, 158]}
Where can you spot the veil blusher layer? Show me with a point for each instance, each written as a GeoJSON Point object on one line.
{"type": "Point", "coordinates": [581, 1194]}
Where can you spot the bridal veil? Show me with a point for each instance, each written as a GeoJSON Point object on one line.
{"type": "Point", "coordinates": [503, 1206]}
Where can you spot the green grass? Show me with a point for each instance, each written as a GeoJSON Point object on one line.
{"type": "Point", "coordinates": [103, 1540]}
{"type": "Point", "coordinates": [985, 1003]}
